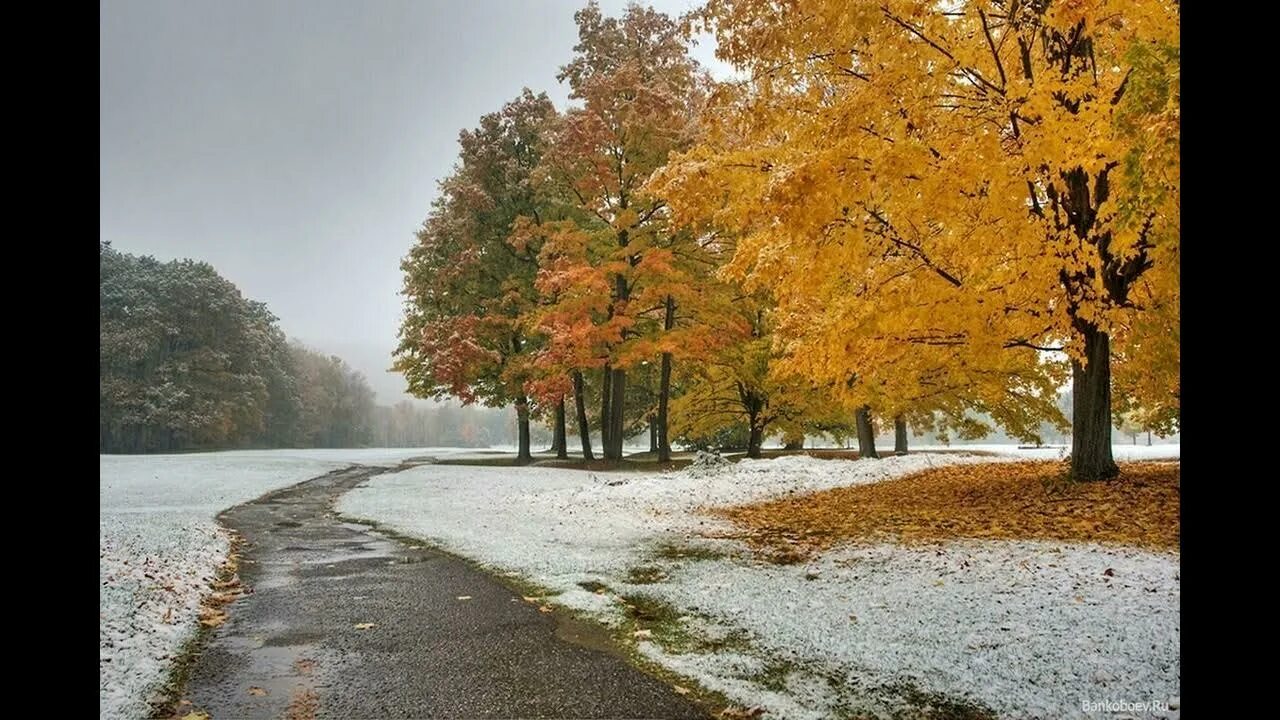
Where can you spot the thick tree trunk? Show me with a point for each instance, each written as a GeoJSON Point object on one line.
{"type": "Point", "coordinates": [1091, 457]}
{"type": "Point", "coordinates": [522, 427]}
{"type": "Point", "coordinates": [899, 436]}
{"type": "Point", "coordinates": [617, 406]}
{"type": "Point", "coordinates": [580, 403]}
{"type": "Point", "coordinates": [606, 400]}
{"type": "Point", "coordinates": [653, 433]}
{"type": "Point", "coordinates": [560, 434]}
{"type": "Point", "coordinates": [755, 439]}
{"type": "Point", "coordinates": [866, 434]}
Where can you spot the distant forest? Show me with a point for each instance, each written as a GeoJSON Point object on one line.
{"type": "Point", "coordinates": [188, 363]}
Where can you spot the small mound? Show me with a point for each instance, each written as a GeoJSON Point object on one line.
{"type": "Point", "coordinates": [707, 463]}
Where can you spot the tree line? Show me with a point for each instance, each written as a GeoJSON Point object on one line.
{"type": "Point", "coordinates": [188, 363]}
{"type": "Point", "coordinates": [408, 425]}
{"type": "Point", "coordinates": [917, 213]}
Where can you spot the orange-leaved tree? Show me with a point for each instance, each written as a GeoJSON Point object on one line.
{"type": "Point", "coordinates": [638, 96]}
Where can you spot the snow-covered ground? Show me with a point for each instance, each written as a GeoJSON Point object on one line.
{"type": "Point", "coordinates": [1029, 629]}
{"type": "Point", "coordinates": [159, 547]}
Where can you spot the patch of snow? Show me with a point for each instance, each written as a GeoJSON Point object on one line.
{"type": "Point", "coordinates": [586, 601]}
{"type": "Point", "coordinates": [1029, 629]}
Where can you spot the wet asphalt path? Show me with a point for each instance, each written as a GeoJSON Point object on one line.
{"type": "Point", "coordinates": [291, 649]}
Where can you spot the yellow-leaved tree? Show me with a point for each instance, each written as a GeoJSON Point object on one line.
{"type": "Point", "coordinates": [941, 196]}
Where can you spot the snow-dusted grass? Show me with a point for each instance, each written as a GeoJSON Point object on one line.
{"type": "Point", "coordinates": [159, 547]}
{"type": "Point", "coordinates": [1027, 629]}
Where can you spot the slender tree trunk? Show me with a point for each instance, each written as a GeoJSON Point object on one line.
{"type": "Point", "coordinates": [606, 400]}
{"type": "Point", "coordinates": [617, 406]}
{"type": "Point", "coordinates": [899, 436]}
{"type": "Point", "coordinates": [664, 388]}
{"type": "Point", "coordinates": [664, 410]}
{"type": "Point", "coordinates": [580, 403]}
{"type": "Point", "coordinates": [653, 433]}
{"type": "Point", "coordinates": [1148, 438]}
{"type": "Point", "coordinates": [522, 426]}
{"type": "Point", "coordinates": [618, 381]}
{"type": "Point", "coordinates": [866, 434]}
{"type": "Point", "coordinates": [1091, 457]}
{"type": "Point", "coordinates": [561, 440]}
{"type": "Point", "coordinates": [755, 439]}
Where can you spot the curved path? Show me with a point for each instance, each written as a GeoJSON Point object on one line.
{"type": "Point", "coordinates": [300, 645]}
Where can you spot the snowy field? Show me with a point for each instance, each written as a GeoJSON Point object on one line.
{"type": "Point", "coordinates": [159, 547]}
{"type": "Point", "coordinates": [1028, 629]}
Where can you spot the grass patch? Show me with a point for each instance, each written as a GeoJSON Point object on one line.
{"type": "Point", "coordinates": [645, 575]}
{"type": "Point", "coordinates": [657, 615]}
{"type": "Point", "coordinates": [935, 706]}
{"type": "Point", "coordinates": [673, 630]}
{"type": "Point", "coordinates": [774, 675]}
{"type": "Point", "coordinates": [899, 701]}
{"type": "Point", "coordinates": [1015, 500]}
{"type": "Point", "coordinates": [677, 551]}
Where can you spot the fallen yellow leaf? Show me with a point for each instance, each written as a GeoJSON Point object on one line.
{"type": "Point", "coordinates": [212, 617]}
{"type": "Point", "coordinates": [364, 626]}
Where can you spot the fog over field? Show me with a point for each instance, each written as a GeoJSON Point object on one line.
{"type": "Point", "coordinates": [296, 146]}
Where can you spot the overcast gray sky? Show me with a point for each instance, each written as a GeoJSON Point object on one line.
{"type": "Point", "coordinates": [296, 145]}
